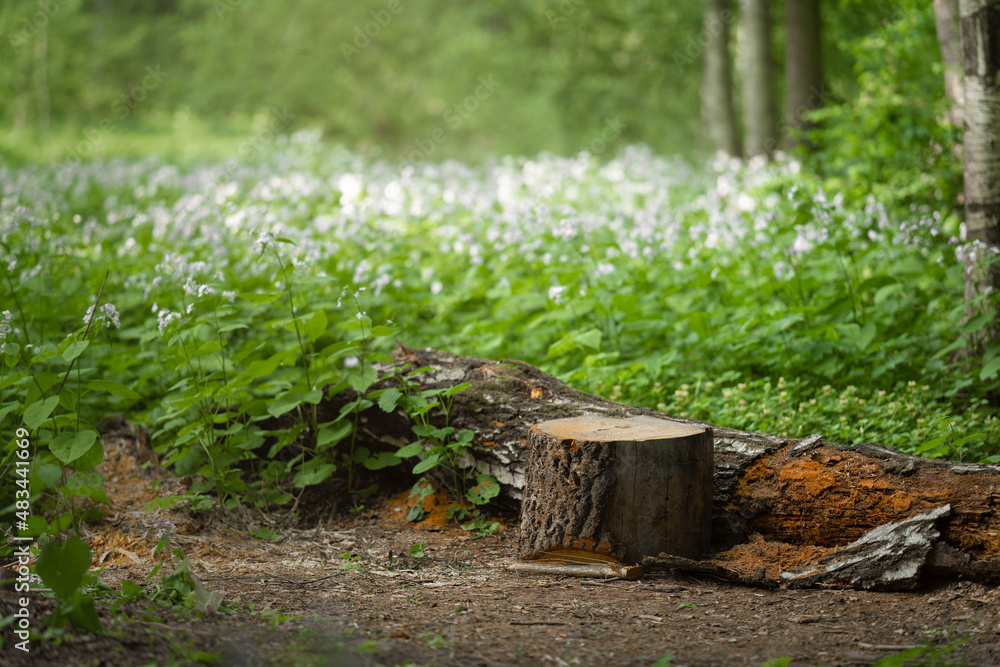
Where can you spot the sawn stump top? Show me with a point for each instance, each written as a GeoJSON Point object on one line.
{"type": "Point", "coordinates": [597, 428]}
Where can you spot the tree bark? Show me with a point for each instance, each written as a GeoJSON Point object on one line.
{"type": "Point", "coordinates": [946, 19]}
{"type": "Point", "coordinates": [759, 112]}
{"type": "Point", "coordinates": [777, 502]}
{"type": "Point", "coordinates": [803, 66]}
{"type": "Point", "coordinates": [980, 21]}
{"type": "Point", "coordinates": [618, 488]}
{"type": "Point", "coordinates": [717, 94]}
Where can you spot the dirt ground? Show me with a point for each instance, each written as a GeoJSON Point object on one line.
{"type": "Point", "coordinates": [346, 591]}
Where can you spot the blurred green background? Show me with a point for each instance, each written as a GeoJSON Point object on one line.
{"type": "Point", "coordinates": [187, 77]}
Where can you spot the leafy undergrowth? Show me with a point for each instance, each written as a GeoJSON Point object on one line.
{"type": "Point", "coordinates": [218, 303]}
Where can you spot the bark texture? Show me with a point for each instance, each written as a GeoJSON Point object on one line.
{"type": "Point", "coordinates": [946, 20]}
{"type": "Point", "coordinates": [717, 95]}
{"type": "Point", "coordinates": [803, 64]}
{"type": "Point", "coordinates": [758, 79]}
{"type": "Point", "coordinates": [617, 487]}
{"type": "Point", "coordinates": [980, 30]}
{"type": "Point", "coordinates": [778, 503]}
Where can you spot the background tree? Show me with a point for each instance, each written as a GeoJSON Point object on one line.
{"type": "Point", "coordinates": [946, 19]}
{"type": "Point", "coordinates": [717, 96]}
{"type": "Point", "coordinates": [980, 21]}
{"type": "Point", "coordinates": [803, 65]}
{"type": "Point", "coordinates": [759, 112]}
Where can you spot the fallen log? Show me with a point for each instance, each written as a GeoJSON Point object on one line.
{"type": "Point", "coordinates": [804, 494]}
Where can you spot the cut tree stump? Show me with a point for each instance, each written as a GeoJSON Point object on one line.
{"type": "Point", "coordinates": [601, 487]}
{"type": "Point", "coordinates": [779, 503]}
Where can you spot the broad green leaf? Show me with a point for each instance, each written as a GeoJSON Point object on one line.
{"type": "Point", "coordinates": [990, 369]}
{"type": "Point", "coordinates": [36, 413]}
{"type": "Point", "coordinates": [313, 397]}
{"type": "Point", "coordinates": [75, 349]}
{"type": "Point", "coordinates": [285, 403]}
{"type": "Point", "coordinates": [387, 401]}
{"type": "Point", "coordinates": [62, 566]}
{"type": "Point", "coordinates": [429, 462]}
{"type": "Point", "coordinates": [314, 325]}
{"type": "Point", "coordinates": [362, 379]}
{"type": "Point", "coordinates": [113, 388]}
{"type": "Point", "coordinates": [87, 484]}
{"type": "Point", "coordinates": [486, 487]}
{"type": "Point", "coordinates": [313, 472]}
{"type": "Point", "coordinates": [69, 446]}
{"type": "Point", "coordinates": [331, 435]}
{"type": "Point", "coordinates": [260, 299]}
{"type": "Point", "coordinates": [91, 458]}
{"type": "Point", "coordinates": [411, 449]}
{"type": "Point", "coordinates": [381, 460]}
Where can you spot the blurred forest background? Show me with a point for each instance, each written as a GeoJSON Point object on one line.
{"type": "Point", "coordinates": [380, 76]}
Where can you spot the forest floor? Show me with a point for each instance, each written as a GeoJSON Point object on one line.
{"type": "Point", "coordinates": [347, 592]}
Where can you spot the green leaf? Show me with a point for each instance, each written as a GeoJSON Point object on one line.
{"type": "Point", "coordinates": [426, 464]}
{"type": "Point", "coordinates": [331, 435]}
{"type": "Point", "coordinates": [313, 472]}
{"type": "Point", "coordinates": [866, 336]}
{"type": "Point", "coordinates": [113, 388]}
{"type": "Point", "coordinates": [362, 379]}
{"type": "Point", "coordinates": [591, 339]}
{"type": "Point", "coordinates": [87, 484]}
{"type": "Point", "coordinates": [62, 567]}
{"type": "Point", "coordinates": [314, 326]}
{"type": "Point", "coordinates": [260, 299]}
{"type": "Point", "coordinates": [990, 369]}
{"type": "Point", "coordinates": [313, 397]}
{"type": "Point", "coordinates": [75, 349]}
{"type": "Point", "coordinates": [411, 449]}
{"type": "Point", "coordinates": [486, 487]}
{"type": "Point", "coordinates": [387, 401]}
{"type": "Point", "coordinates": [69, 446]}
{"type": "Point", "coordinates": [284, 403]}
{"type": "Point", "coordinates": [36, 413]}
{"type": "Point", "coordinates": [381, 460]}
{"type": "Point", "coordinates": [91, 458]}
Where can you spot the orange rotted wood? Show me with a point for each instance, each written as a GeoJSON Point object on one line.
{"type": "Point", "coordinates": [831, 496]}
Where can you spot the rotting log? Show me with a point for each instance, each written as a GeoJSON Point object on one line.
{"type": "Point", "coordinates": [798, 497]}
{"type": "Point", "coordinates": [616, 488]}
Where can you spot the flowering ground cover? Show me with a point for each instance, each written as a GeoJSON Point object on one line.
{"type": "Point", "coordinates": [216, 303]}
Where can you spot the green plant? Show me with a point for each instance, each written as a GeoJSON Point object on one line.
{"type": "Point", "coordinates": [928, 655]}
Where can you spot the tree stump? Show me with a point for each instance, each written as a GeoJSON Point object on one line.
{"type": "Point", "coordinates": [606, 489]}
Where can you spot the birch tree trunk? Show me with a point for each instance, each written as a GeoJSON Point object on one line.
{"type": "Point", "coordinates": [717, 94]}
{"type": "Point", "coordinates": [803, 65]}
{"type": "Point", "coordinates": [946, 19]}
{"type": "Point", "coordinates": [980, 29]}
{"type": "Point", "coordinates": [758, 79]}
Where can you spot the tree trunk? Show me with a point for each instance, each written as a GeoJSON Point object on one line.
{"type": "Point", "coordinates": [980, 21]}
{"type": "Point", "coordinates": [618, 488]}
{"type": "Point", "coordinates": [946, 19]}
{"type": "Point", "coordinates": [778, 503]}
{"type": "Point", "coordinates": [758, 79]}
{"type": "Point", "coordinates": [717, 94]}
{"type": "Point", "coordinates": [803, 66]}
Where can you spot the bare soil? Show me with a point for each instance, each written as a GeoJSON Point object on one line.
{"type": "Point", "coordinates": [298, 600]}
